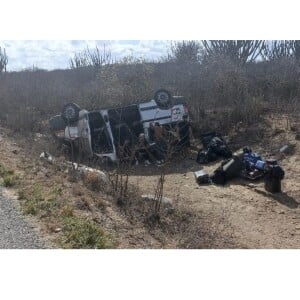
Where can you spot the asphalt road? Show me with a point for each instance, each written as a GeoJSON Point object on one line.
{"type": "Point", "coordinates": [15, 231]}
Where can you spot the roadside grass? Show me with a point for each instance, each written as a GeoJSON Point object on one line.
{"type": "Point", "coordinates": [8, 177]}
{"type": "Point", "coordinates": [77, 232]}
{"type": "Point", "coordinates": [82, 233]}
{"type": "Point", "coordinates": [33, 200]}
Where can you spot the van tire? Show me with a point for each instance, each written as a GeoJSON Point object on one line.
{"type": "Point", "coordinates": [163, 99]}
{"type": "Point", "coordinates": [70, 113]}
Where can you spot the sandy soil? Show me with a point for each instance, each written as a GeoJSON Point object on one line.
{"type": "Point", "coordinates": [254, 217]}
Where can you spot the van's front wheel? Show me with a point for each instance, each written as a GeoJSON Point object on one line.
{"type": "Point", "coordinates": [70, 113]}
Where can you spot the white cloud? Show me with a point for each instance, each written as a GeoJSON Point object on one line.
{"type": "Point", "coordinates": [55, 54]}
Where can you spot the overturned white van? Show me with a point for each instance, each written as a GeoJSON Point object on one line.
{"type": "Point", "coordinates": [100, 132]}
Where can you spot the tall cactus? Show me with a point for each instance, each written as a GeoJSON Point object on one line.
{"type": "Point", "coordinates": [88, 57]}
{"type": "Point", "coordinates": [239, 50]}
{"type": "Point", "coordinates": [3, 60]}
{"type": "Point", "coordinates": [281, 49]}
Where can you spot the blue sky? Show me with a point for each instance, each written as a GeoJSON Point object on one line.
{"type": "Point", "coordinates": [55, 54]}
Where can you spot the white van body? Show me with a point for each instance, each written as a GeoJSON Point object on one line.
{"type": "Point", "coordinates": [98, 132]}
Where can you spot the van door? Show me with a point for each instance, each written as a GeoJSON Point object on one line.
{"type": "Point", "coordinates": [84, 133]}
{"type": "Point", "coordinates": [101, 136]}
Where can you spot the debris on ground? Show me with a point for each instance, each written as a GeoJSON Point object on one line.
{"type": "Point", "coordinates": [252, 185]}
{"type": "Point", "coordinates": [248, 165]}
{"type": "Point", "coordinates": [84, 171]}
{"type": "Point", "coordinates": [214, 147]}
{"type": "Point", "coordinates": [164, 200]}
{"type": "Point", "coordinates": [202, 177]}
{"type": "Point", "coordinates": [287, 149]}
{"type": "Point", "coordinates": [284, 149]}
{"type": "Point", "coordinates": [47, 157]}
{"type": "Point", "coordinates": [77, 170]}
{"type": "Point", "coordinates": [38, 136]}
{"type": "Point", "coordinates": [229, 169]}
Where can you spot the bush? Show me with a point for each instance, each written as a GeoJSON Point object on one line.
{"type": "Point", "coordinates": [84, 233]}
{"type": "Point", "coordinates": [10, 180]}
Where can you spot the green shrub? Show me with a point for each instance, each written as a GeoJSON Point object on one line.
{"type": "Point", "coordinates": [10, 180]}
{"type": "Point", "coordinates": [84, 233]}
{"type": "Point", "coordinates": [33, 203]}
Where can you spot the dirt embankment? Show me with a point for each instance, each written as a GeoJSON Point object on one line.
{"type": "Point", "coordinates": [237, 215]}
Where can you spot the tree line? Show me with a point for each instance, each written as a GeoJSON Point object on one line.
{"type": "Point", "coordinates": [191, 51]}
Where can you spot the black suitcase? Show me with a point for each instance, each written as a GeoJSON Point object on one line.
{"type": "Point", "coordinates": [272, 185]}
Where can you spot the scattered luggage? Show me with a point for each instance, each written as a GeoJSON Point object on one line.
{"type": "Point", "coordinates": [249, 165]}
{"type": "Point", "coordinates": [215, 147]}
{"type": "Point", "coordinates": [273, 177]}
{"type": "Point", "coordinates": [254, 166]}
{"type": "Point", "coordinates": [202, 177]}
{"type": "Point", "coordinates": [206, 156]}
{"type": "Point", "coordinates": [228, 170]}
{"type": "Point", "coordinates": [273, 185]}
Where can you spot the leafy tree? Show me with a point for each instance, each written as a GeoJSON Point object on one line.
{"type": "Point", "coordinates": [185, 52]}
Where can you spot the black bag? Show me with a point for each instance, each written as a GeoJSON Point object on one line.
{"type": "Point", "coordinates": [277, 172]}
{"type": "Point", "coordinates": [228, 170]}
{"type": "Point", "coordinates": [272, 185]}
{"type": "Point", "coordinates": [233, 167]}
{"type": "Point", "coordinates": [201, 157]}
{"type": "Point", "coordinates": [274, 171]}
{"type": "Point", "coordinates": [225, 152]}
{"type": "Point", "coordinates": [219, 177]}
{"type": "Point", "coordinates": [273, 177]}
{"type": "Point", "coordinates": [204, 157]}
{"type": "Point", "coordinates": [207, 137]}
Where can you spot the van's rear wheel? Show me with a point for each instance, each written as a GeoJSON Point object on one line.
{"type": "Point", "coordinates": [163, 99]}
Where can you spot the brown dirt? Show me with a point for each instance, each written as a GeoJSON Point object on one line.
{"type": "Point", "coordinates": [237, 215]}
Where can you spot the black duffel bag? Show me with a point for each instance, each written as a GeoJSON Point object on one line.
{"type": "Point", "coordinates": [229, 169]}
{"type": "Point", "coordinates": [204, 157]}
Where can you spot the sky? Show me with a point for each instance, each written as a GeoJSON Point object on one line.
{"type": "Point", "coordinates": [47, 36]}
{"type": "Point", "coordinates": [55, 54]}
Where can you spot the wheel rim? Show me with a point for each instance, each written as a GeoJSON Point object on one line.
{"type": "Point", "coordinates": [69, 113]}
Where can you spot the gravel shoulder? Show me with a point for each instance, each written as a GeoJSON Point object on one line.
{"type": "Point", "coordinates": [16, 232]}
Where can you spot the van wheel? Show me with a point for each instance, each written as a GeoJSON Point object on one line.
{"type": "Point", "coordinates": [163, 99]}
{"type": "Point", "coordinates": [70, 113]}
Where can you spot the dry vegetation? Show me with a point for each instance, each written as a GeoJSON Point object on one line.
{"type": "Point", "coordinates": [224, 94]}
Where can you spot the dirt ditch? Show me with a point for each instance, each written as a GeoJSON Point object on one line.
{"type": "Point", "coordinates": [237, 215]}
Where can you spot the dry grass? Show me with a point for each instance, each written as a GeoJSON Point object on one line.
{"type": "Point", "coordinates": [239, 93]}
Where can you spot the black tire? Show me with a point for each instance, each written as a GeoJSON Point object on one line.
{"type": "Point", "coordinates": [163, 99]}
{"type": "Point", "coordinates": [70, 113]}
